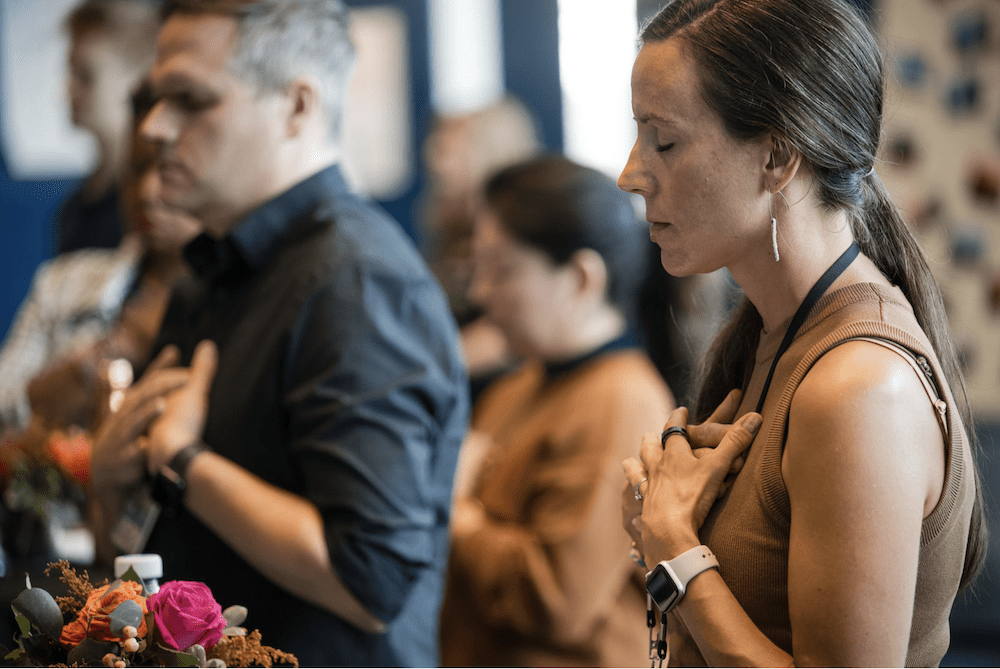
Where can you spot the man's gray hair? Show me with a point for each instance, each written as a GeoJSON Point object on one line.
{"type": "Point", "coordinates": [280, 40]}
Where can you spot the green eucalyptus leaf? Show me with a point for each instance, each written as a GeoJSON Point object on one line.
{"type": "Point", "coordinates": [41, 610]}
{"type": "Point", "coordinates": [185, 660]}
{"type": "Point", "coordinates": [90, 652]}
{"type": "Point", "coordinates": [23, 624]}
{"type": "Point", "coordinates": [131, 575]}
{"type": "Point", "coordinates": [126, 613]}
{"type": "Point", "coordinates": [14, 654]}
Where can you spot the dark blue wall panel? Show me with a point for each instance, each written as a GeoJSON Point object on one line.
{"type": "Point", "coordinates": [531, 62]}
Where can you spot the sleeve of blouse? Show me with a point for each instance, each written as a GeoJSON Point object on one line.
{"type": "Point", "coordinates": [24, 352]}
{"type": "Point", "coordinates": [377, 400]}
{"type": "Point", "coordinates": [560, 572]}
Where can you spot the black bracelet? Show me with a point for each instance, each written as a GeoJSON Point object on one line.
{"type": "Point", "coordinates": [169, 484]}
{"type": "Point", "coordinates": [182, 459]}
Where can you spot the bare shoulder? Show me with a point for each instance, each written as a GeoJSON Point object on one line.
{"type": "Point", "coordinates": [861, 415]}
{"type": "Point", "coordinates": [859, 379]}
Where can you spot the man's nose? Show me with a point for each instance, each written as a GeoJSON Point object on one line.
{"type": "Point", "coordinates": [159, 125]}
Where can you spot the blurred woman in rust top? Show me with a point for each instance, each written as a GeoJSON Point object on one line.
{"type": "Point", "coordinates": [540, 573]}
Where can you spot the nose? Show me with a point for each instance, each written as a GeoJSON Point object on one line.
{"type": "Point", "coordinates": [159, 125]}
{"type": "Point", "coordinates": [633, 178]}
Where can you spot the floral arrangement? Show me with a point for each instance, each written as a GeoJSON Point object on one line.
{"type": "Point", "coordinates": [121, 624]}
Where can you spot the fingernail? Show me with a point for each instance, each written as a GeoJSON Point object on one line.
{"type": "Point", "coordinates": [752, 422]}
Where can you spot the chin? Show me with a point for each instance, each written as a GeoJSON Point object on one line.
{"type": "Point", "coordinates": [672, 266]}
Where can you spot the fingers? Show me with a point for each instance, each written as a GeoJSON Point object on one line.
{"type": "Point", "coordinates": [203, 366]}
{"type": "Point", "coordinates": [154, 384]}
{"type": "Point", "coordinates": [725, 412]}
{"type": "Point", "coordinates": [631, 507]}
{"type": "Point", "coordinates": [650, 451]}
{"type": "Point", "coordinates": [168, 356]}
{"type": "Point", "coordinates": [634, 471]}
{"type": "Point", "coordinates": [734, 468]}
{"type": "Point", "coordinates": [712, 431]}
{"type": "Point", "coordinates": [739, 438]}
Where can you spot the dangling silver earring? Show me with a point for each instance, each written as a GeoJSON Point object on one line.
{"type": "Point", "coordinates": [774, 231]}
{"type": "Point", "coordinates": [774, 225]}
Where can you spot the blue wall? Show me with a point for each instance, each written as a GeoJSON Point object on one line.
{"type": "Point", "coordinates": [531, 61]}
{"type": "Point", "coordinates": [27, 213]}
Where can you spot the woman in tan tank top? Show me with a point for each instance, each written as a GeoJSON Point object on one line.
{"type": "Point", "coordinates": [856, 515]}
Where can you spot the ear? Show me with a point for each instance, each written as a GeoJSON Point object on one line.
{"type": "Point", "coordinates": [303, 104]}
{"type": "Point", "coordinates": [782, 165]}
{"type": "Point", "coordinates": [591, 273]}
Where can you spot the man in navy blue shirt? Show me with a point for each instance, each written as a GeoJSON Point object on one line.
{"type": "Point", "coordinates": [305, 456]}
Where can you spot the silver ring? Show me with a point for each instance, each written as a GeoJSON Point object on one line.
{"type": "Point", "coordinates": [671, 431]}
{"type": "Point", "coordinates": [638, 495]}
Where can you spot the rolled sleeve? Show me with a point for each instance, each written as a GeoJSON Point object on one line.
{"type": "Point", "coordinates": [377, 405]}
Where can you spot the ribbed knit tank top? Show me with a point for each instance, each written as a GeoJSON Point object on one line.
{"type": "Point", "coordinates": [748, 529]}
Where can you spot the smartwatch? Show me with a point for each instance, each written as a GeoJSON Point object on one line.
{"type": "Point", "coordinates": [669, 579]}
{"type": "Point", "coordinates": [169, 484]}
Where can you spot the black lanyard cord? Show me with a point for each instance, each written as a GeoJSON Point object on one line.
{"type": "Point", "coordinates": [831, 275]}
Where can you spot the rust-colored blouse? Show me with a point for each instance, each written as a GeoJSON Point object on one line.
{"type": "Point", "coordinates": [548, 580]}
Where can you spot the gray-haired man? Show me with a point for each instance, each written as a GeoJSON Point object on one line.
{"type": "Point", "coordinates": [316, 439]}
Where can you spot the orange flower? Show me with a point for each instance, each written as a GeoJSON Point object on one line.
{"type": "Point", "coordinates": [72, 454]}
{"type": "Point", "coordinates": [93, 620]}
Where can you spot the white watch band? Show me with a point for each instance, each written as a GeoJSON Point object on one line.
{"type": "Point", "coordinates": [690, 563]}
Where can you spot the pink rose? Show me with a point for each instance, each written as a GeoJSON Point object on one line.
{"type": "Point", "coordinates": [186, 613]}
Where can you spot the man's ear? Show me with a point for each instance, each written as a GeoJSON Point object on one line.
{"type": "Point", "coordinates": [782, 165]}
{"type": "Point", "coordinates": [302, 96]}
{"type": "Point", "coordinates": [591, 272]}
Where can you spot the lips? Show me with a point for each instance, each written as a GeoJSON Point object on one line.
{"type": "Point", "coordinates": [171, 171]}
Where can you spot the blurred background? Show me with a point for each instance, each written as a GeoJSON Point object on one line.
{"type": "Point", "coordinates": [447, 90]}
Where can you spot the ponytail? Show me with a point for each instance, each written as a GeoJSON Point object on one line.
{"type": "Point", "coordinates": [885, 238]}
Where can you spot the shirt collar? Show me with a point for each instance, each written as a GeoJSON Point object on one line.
{"type": "Point", "coordinates": [252, 242]}
{"type": "Point", "coordinates": [558, 369]}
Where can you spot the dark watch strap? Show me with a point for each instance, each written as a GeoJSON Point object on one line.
{"type": "Point", "coordinates": [169, 484]}
{"type": "Point", "coordinates": [179, 463]}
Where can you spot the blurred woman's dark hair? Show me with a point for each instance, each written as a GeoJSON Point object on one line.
{"type": "Point", "coordinates": [559, 207]}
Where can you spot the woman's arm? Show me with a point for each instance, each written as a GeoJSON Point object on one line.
{"type": "Point", "coordinates": [558, 573]}
{"type": "Point", "coordinates": [864, 465]}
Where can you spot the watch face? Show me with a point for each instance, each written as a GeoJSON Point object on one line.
{"type": "Point", "coordinates": [662, 588]}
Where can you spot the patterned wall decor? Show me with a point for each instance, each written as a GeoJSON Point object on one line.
{"type": "Point", "coordinates": [942, 162]}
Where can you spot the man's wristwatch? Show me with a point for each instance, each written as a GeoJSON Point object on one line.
{"type": "Point", "coordinates": [169, 484]}
{"type": "Point", "coordinates": [669, 579]}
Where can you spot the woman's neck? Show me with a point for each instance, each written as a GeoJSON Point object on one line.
{"type": "Point", "coordinates": [108, 170]}
{"type": "Point", "coordinates": [808, 246]}
{"type": "Point", "coordinates": [587, 335]}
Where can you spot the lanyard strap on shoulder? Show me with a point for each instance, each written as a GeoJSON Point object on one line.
{"type": "Point", "coordinates": [821, 286]}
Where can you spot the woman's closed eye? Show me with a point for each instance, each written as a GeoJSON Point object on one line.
{"type": "Point", "coordinates": [661, 148]}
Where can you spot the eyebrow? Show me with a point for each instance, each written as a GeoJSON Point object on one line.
{"type": "Point", "coordinates": [646, 118]}
{"type": "Point", "coordinates": [173, 82]}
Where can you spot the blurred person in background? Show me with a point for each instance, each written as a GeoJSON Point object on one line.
{"type": "Point", "coordinates": [539, 574]}
{"type": "Point", "coordinates": [111, 48]}
{"type": "Point", "coordinates": [86, 309]}
{"type": "Point", "coordinates": [305, 466]}
{"type": "Point", "coordinates": [460, 153]}
{"type": "Point", "coordinates": [90, 306]}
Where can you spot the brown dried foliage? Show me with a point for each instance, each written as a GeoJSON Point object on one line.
{"type": "Point", "coordinates": [79, 586]}
{"type": "Point", "coordinates": [247, 651]}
